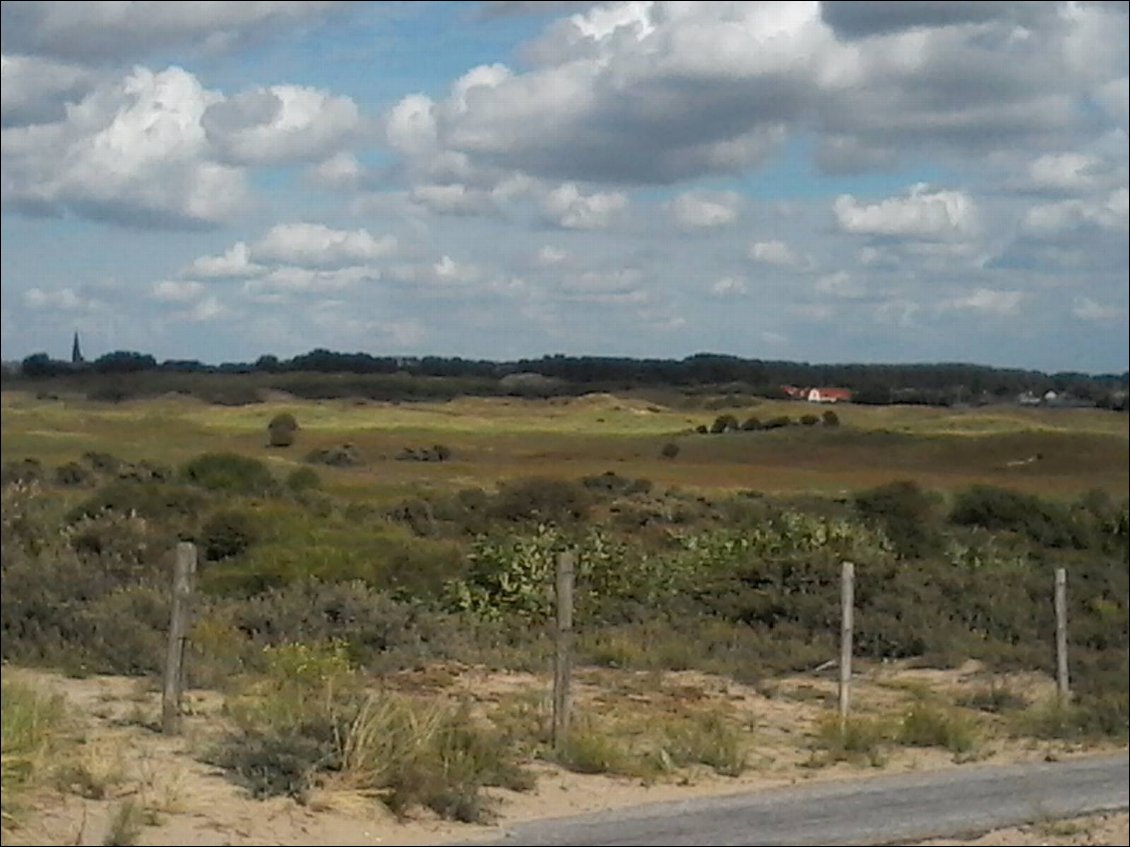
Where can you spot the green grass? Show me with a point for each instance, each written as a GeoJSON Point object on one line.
{"type": "Point", "coordinates": [927, 725]}
{"type": "Point", "coordinates": [493, 439]}
{"type": "Point", "coordinates": [855, 739]}
{"type": "Point", "coordinates": [30, 726]}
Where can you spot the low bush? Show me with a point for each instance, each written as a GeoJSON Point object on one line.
{"type": "Point", "coordinates": [778, 422]}
{"type": "Point", "coordinates": [1047, 524]}
{"type": "Point", "coordinates": [281, 430]}
{"type": "Point", "coordinates": [809, 420]}
{"type": "Point", "coordinates": [852, 740]}
{"type": "Point", "coordinates": [227, 533]}
{"type": "Point", "coordinates": [927, 725]}
{"type": "Point", "coordinates": [751, 424]}
{"type": "Point", "coordinates": [342, 456]}
{"type": "Point", "coordinates": [72, 475]}
{"type": "Point", "coordinates": [303, 479]}
{"type": "Point", "coordinates": [541, 499]}
{"type": "Point", "coordinates": [230, 473]}
{"type": "Point", "coordinates": [669, 450]}
{"type": "Point", "coordinates": [830, 418]}
{"type": "Point", "coordinates": [725, 423]}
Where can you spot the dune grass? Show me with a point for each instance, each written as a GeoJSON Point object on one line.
{"type": "Point", "coordinates": [30, 727]}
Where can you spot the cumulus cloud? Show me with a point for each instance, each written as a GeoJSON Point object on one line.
{"type": "Point", "coordinates": [290, 279]}
{"type": "Point", "coordinates": [923, 213]}
{"type": "Point", "coordinates": [728, 286]}
{"type": "Point", "coordinates": [132, 151]}
{"type": "Point", "coordinates": [988, 301]}
{"type": "Point", "coordinates": [647, 93]}
{"type": "Point", "coordinates": [1109, 213]}
{"type": "Point", "coordinates": [568, 207]}
{"type": "Point", "coordinates": [1087, 309]}
{"type": "Point", "coordinates": [122, 31]}
{"type": "Point", "coordinates": [35, 90]}
{"type": "Point", "coordinates": [312, 245]}
{"type": "Point", "coordinates": [776, 253]}
{"type": "Point", "coordinates": [341, 170]}
{"type": "Point", "coordinates": [234, 263]}
{"type": "Point", "coordinates": [840, 284]}
{"type": "Point", "coordinates": [549, 255]}
{"type": "Point", "coordinates": [58, 299]}
{"type": "Point", "coordinates": [705, 210]}
{"type": "Point", "coordinates": [177, 291]}
{"type": "Point", "coordinates": [282, 123]}
{"type": "Point", "coordinates": [454, 199]}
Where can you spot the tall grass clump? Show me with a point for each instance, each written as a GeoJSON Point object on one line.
{"type": "Point", "coordinates": [927, 725]}
{"type": "Point", "coordinates": [310, 722]}
{"type": "Point", "coordinates": [30, 725]}
{"type": "Point", "coordinates": [852, 740]}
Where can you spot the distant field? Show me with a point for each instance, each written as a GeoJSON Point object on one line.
{"type": "Point", "coordinates": [497, 438]}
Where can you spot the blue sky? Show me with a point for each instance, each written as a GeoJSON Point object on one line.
{"type": "Point", "coordinates": [814, 181]}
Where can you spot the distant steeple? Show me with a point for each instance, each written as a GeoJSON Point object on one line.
{"type": "Point", "coordinates": [76, 352]}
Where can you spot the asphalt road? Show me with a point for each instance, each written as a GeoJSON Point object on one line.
{"type": "Point", "coordinates": [883, 810]}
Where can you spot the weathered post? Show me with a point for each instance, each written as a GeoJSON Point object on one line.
{"type": "Point", "coordinates": [847, 622]}
{"type": "Point", "coordinates": [1062, 681]}
{"type": "Point", "coordinates": [183, 579]}
{"type": "Point", "coordinates": [563, 639]}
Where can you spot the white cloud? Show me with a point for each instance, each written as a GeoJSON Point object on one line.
{"type": "Point", "coordinates": [288, 279]}
{"type": "Point", "coordinates": [207, 309]}
{"type": "Point", "coordinates": [840, 284]}
{"type": "Point", "coordinates": [1065, 172]}
{"type": "Point", "coordinates": [921, 213]}
{"type": "Point", "coordinates": [59, 299]}
{"type": "Point", "coordinates": [1109, 214]}
{"type": "Point", "coordinates": [341, 170]}
{"type": "Point", "coordinates": [1087, 309]}
{"type": "Point", "coordinates": [235, 263]}
{"type": "Point", "coordinates": [549, 255]}
{"type": "Point", "coordinates": [705, 210]}
{"type": "Point", "coordinates": [283, 123]}
{"type": "Point", "coordinates": [177, 291]}
{"type": "Point", "coordinates": [317, 246]}
{"type": "Point", "coordinates": [988, 301]}
{"type": "Point", "coordinates": [120, 31]}
{"type": "Point", "coordinates": [776, 253]}
{"type": "Point", "coordinates": [567, 207]}
{"type": "Point", "coordinates": [132, 151]}
{"type": "Point", "coordinates": [36, 90]}
{"type": "Point", "coordinates": [728, 286]}
{"type": "Point", "coordinates": [454, 199]}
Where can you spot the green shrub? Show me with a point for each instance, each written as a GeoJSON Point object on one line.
{"type": "Point", "coordinates": [171, 506]}
{"type": "Point", "coordinates": [830, 418]}
{"type": "Point", "coordinates": [303, 479]}
{"type": "Point", "coordinates": [852, 739]}
{"type": "Point", "coordinates": [778, 422]}
{"type": "Point", "coordinates": [72, 474]}
{"type": "Point", "coordinates": [230, 473]}
{"type": "Point", "coordinates": [751, 424]}
{"type": "Point", "coordinates": [926, 725]}
{"type": "Point", "coordinates": [809, 420]}
{"type": "Point", "coordinates": [541, 499]}
{"type": "Point", "coordinates": [994, 508]}
{"type": "Point", "coordinates": [905, 514]}
{"type": "Point", "coordinates": [725, 423]}
{"type": "Point", "coordinates": [669, 450]}
{"type": "Point", "coordinates": [342, 456]}
{"type": "Point", "coordinates": [281, 429]}
{"type": "Point", "coordinates": [707, 738]}
{"type": "Point", "coordinates": [227, 533]}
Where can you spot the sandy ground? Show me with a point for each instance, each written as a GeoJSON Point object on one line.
{"type": "Point", "coordinates": [124, 760]}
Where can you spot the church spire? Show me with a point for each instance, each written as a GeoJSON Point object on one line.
{"type": "Point", "coordinates": [76, 352]}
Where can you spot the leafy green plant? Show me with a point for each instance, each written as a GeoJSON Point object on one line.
{"type": "Point", "coordinates": [852, 740]}
{"type": "Point", "coordinates": [230, 472]}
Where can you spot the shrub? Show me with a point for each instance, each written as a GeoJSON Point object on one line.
{"type": "Point", "coordinates": [231, 473]}
{"type": "Point", "coordinates": [830, 418]}
{"type": "Point", "coordinates": [778, 422]}
{"type": "Point", "coordinates": [73, 474]}
{"type": "Point", "coordinates": [707, 738]}
{"type": "Point", "coordinates": [995, 699]}
{"type": "Point", "coordinates": [172, 506]}
{"type": "Point", "coordinates": [541, 499]}
{"type": "Point", "coordinates": [227, 533]}
{"type": "Point", "coordinates": [281, 429]}
{"type": "Point", "coordinates": [925, 725]}
{"type": "Point", "coordinates": [1001, 509]}
{"type": "Point", "coordinates": [751, 424]}
{"type": "Point", "coordinates": [343, 456]}
{"type": "Point", "coordinates": [670, 450]}
{"type": "Point", "coordinates": [303, 479]}
{"type": "Point", "coordinates": [905, 514]}
{"type": "Point", "coordinates": [809, 420]}
{"type": "Point", "coordinates": [23, 470]}
{"type": "Point", "coordinates": [852, 740]}
{"type": "Point", "coordinates": [701, 429]}
{"type": "Point", "coordinates": [724, 423]}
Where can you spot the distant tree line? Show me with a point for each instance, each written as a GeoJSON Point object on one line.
{"type": "Point", "coordinates": [931, 384]}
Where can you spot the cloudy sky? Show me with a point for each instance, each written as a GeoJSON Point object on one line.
{"type": "Point", "coordinates": [840, 181]}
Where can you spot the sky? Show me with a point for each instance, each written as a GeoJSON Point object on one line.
{"type": "Point", "coordinates": [822, 182]}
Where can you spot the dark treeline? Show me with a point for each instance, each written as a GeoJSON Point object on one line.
{"type": "Point", "coordinates": [935, 384]}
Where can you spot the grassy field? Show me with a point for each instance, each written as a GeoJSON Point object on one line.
{"type": "Point", "coordinates": [494, 439]}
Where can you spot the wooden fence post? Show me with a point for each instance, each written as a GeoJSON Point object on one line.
{"type": "Point", "coordinates": [563, 657]}
{"type": "Point", "coordinates": [1062, 681]}
{"type": "Point", "coordinates": [183, 584]}
{"type": "Point", "coordinates": [847, 622]}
